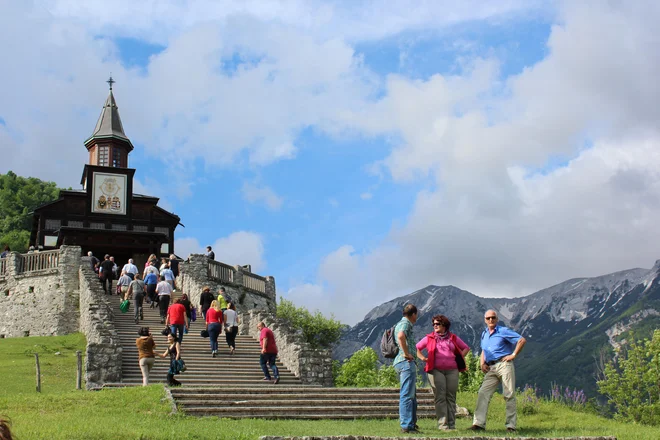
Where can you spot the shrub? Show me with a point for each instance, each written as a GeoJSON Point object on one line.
{"type": "Point", "coordinates": [316, 329]}
{"type": "Point", "coordinates": [631, 381]}
{"type": "Point", "coordinates": [362, 370]}
{"type": "Point", "coordinates": [470, 381]}
{"type": "Point", "coordinates": [529, 400]}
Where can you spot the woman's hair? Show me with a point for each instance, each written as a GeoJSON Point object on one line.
{"type": "Point", "coordinates": [7, 247]}
{"type": "Point", "coordinates": [215, 305]}
{"type": "Point", "coordinates": [5, 433]}
{"type": "Point", "coordinates": [231, 305]}
{"type": "Point", "coordinates": [206, 289]}
{"type": "Point", "coordinates": [184, 297]}
{"type": "Point", "coordinates": [152, 257]}
{"type": "Point", "coordinates": [144, 331]}
{"type": "Point", "coordinates": [442, 319]}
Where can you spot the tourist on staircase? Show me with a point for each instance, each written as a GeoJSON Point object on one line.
{"type": "Point", "coordinates": [150, 281]}
{"type": "Point", "coordinates": [152, 259]}
{"type": "Point", "coordinates": [205, 300]}
{"type": "Point", "coordinates": [122, 284]}
{"type": "Point", "coordinates": [231, 326]}
{"type": "Point", "coordinates": [177, 320]}
{"type": "Point", "coordinates": [174, 351]}
{"type": "Point", "coordinates": [222, 298]}
{"type": "Point", "coordinates": [146, 355]}
{"type": "Point", "coordinates": [186, 303]}
{"type": "Point", "coordinates": [105, 273]}
{"type": "Point", "coordinates": [168, 274]}
{"type": "Point", "coordinates": [268, 352]}
{"type": "Point", "coordinates": [164, 291]}
{"type": "Point", "coordinates": [137, 289]}
{"type": "Point", "coordinates": [130, 268]}
{"type": "Point", "coordinates": [214, 325]}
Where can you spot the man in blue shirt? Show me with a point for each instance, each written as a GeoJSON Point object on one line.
{"type": "Point", "coordinates": [405, 366]}
{"type": "Point", "coordinates": [499, 347]}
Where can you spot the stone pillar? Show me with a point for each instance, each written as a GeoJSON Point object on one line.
{"type": "Point", "coordinates": [270, 289]}
{"type": "Point", "coordinates": [13, 264]}
{"type": "Point", "coordinates": [69, 275]}
{"type": "Point", "coordinates": [238, 275]}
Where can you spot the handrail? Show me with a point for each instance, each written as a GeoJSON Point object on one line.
{"type": "Point", "coordinates": [38, 261]}
{"type": "Point", "coordinates": [220, 271]}
{"type": "Point", "coordinates": [254, 282]}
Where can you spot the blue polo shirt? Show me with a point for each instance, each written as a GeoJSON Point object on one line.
{"type": "Point", "coordinates": [501, 343]}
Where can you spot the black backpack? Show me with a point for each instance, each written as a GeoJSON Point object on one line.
{"type": "Point", "coordinates": [388, 346]}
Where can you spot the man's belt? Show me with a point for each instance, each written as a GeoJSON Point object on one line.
{"type": "Point", "coordinates": [490, 363]}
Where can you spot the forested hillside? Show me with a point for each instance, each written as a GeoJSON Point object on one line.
{"type": "Point", "coordinates": [18, 197]}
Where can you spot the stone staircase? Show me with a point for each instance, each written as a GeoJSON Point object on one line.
{"type": "Point", "coordinates": [231, 386]}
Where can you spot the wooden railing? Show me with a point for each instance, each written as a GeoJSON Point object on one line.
{"type": "Point", "coordinates": [3, 267]}
{"type": "Point", "coordinates": [254, 282]}
{"type": "Point", "coordinates": [38, 261]}
{"type": "Point", "coordinates": [221, 272]}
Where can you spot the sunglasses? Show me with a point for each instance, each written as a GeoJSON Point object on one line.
{"type": "Point", "coordinates": [488, 318]}
{"type": "Point", "coordinates": [436, 323]}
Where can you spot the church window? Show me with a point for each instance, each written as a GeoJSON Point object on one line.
{"type": "Point", "coordinates": [116, 158]}
{"type": "Point", "coordinates": [103, 156]}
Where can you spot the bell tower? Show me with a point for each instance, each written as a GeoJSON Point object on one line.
{"type": "Point", "coordinates": [108, 145]}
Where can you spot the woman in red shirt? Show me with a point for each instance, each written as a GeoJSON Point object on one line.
{"type": "Point", "coordinates": [214, 325]}
{"type": "Point", "coordinates": [442, 347]}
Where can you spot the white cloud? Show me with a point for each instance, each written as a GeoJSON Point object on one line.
{"type": "Point", "coordinates": [253, 194]}
{"type": "Point", "coordinates": [366, 196]}
{"type": "Point", "coordinates": [238, 248]}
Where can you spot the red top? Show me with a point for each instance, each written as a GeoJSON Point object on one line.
{"type": "Point", "coordinates": [441, 354]}
{"type": "Point", "coordinates": [213, 316]}
{"type": "Point", "coordinates": [271, 348]}
{"type": "Point", "coordinates": [177, 313]}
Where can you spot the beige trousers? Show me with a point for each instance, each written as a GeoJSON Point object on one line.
{"type": "Point", "coordinates": [444, 384]}
{"type": "Point", "coordinates": [505, 373]}
{"type": "Point", "coordinates": [146, 364]}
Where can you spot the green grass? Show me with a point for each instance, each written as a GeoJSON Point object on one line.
{"type": "Point", "coordinates": [61, 412]}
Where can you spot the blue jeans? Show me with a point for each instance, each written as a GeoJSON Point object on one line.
{"type": "Point", "coordinates": [270, 359]}
{"type": "Point", "coordinates": [177, 327]}
{"type": "Point", "coordinates": [214, 331]}
{"type": "Point", "coordinates": [408, 395]}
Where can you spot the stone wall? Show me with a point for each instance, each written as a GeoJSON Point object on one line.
{"type": "Point", "coordinates": [194, 277]}
{"type": "Point", "coordinates": [40, 302]}
{"type": "Point", "coordinates": [312, 367]}
{"type": "Point", "coordinates": [103, 355]}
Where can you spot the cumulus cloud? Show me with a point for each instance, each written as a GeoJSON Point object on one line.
{"type": "Point", "coordinates": [254, 193]}
{"type": "Point", "coordinates": [238, 248]}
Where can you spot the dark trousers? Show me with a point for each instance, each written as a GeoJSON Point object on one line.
{"type": "Point", "coordinates": [230, 336]}
{"type": "Point", "coordinates": [177, 331]}
{"type": "Point", "coordinates": [130, 275]}
{"type": "Point", "coordinates": [163, 304]}
{"type": "Point", "coordinates": [107, 281]}
{"type": "Point", "coordinates": [269, 358]}
{"type": "Point", "coordinates": [151, 291]}
{"type": "Point", "coordinates": [138, 299]}
{"type": "Point", "coordinates": [214, 331]}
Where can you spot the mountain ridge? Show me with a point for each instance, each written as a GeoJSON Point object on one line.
{"type": "Point", "coordinates": [570, 325]}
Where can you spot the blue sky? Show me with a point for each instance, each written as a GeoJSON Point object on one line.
{"type": "Point", "coordinates": [360, 151]}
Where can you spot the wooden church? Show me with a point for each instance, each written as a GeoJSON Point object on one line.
{"type": "Point", "coordinates": [106, 216]}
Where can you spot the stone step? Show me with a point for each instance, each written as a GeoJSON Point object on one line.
{"type": "Point", "coordinates": [287, 401]}
{"type": "Point", "coordinates": [311, 390]}
{"type": "Point", "coordinates": [208, 373]}
{"type": "Point", "coordinates": [220, 383]}
{"type": "Point", "coordinates": [309, 416]}
{"type": "Point", "coordinates": [266, 410]}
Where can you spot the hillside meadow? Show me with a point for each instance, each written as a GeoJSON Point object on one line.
{"type": "Point", "coordinates": [61, 412]}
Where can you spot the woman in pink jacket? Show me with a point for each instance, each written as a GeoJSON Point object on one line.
{"type": "Point", "coordinates": [443, 348]}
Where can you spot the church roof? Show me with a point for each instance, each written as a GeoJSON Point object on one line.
{"type": "Point", "coordinates": [109, 124]}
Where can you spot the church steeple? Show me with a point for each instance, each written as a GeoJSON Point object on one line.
{"type": "Point", "coordinates": [108, 145]}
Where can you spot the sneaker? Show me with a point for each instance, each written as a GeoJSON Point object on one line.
{"type": "Point", "coordinates": [266, 379]}
{"type": "Point", "coordinates": [214, 354]}
{"type": "Point", "coordinates": [476, 428]}
{"type": "Point", "coordinates": [410, 430]}
{"type": "Point", "coordinates": [276, 381]}
{"type": "Point", "coordinates": [137, 321]}
{"type": "Point", "coordinates": [510, 429]}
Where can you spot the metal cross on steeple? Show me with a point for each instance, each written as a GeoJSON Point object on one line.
{"type": "Point", "coordinates": [111, 82]}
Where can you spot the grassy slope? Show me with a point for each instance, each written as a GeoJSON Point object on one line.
{"type": "Point", "coordinates": [60, 412]}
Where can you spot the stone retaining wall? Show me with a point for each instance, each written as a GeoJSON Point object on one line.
{"type": "Point", "coordinates": [40, 303]}
{"type": "Point", "coordinates": [104, 352]}
{"type": "Point", "coordinates": [312, 367]}
{"type": "Point", "coordinates": [194, 277]}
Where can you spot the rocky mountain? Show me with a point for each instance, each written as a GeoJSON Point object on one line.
{"type": "Point", "coordinates": [569, 327]}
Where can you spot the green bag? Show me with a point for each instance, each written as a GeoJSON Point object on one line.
{"type": "Point", "coordinates": [125, 304]}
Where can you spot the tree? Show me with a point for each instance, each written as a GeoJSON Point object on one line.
{"type": "Point", "coordinates": [471, 379]}
{"type": "Point", "coordinates": [19, 196]}
{"type": "Point", "coordinates": [316, 329]}
{"type": "Point", "coordinates": [631, 382]}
